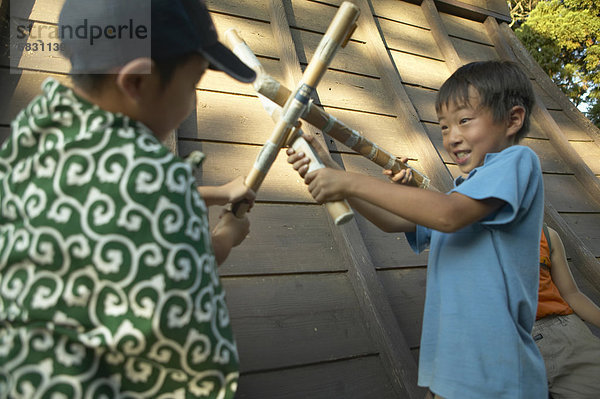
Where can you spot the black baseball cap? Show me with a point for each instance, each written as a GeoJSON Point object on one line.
{"type": "Point", "coordinates": [98, 35]}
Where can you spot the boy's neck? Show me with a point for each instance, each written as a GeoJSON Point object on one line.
{"type": "Point", "coordinates": [108, 98]}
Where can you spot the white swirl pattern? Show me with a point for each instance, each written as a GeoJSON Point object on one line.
{"type": "Point", "coordinates": [108, 283]}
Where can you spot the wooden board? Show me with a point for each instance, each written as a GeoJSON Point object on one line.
{"type": "Point", "coordinates": [284, 239]}
{"type": "Point", "coordinates": [549, 158]}
{"type": "Point", "coordinates": [536, 131]}
{"type": "Point", "coordinates": [586, 227]}
{"type": "Point", "coordinates": [224, 162]}
{"type": "Point", "coordinates": [571, 131]}
{"type": "Point", "coordinates": [4, 133]}
{"type": "Point", "coordinates": [465, 29]}
{"type": "Point", "coordinates": [476, 10]}
{"type": "Point", "coordinates": [589, 153]}
{"type": "Point", "coordinates": [258, 35]}
{"type": "Point", "coordinates": [256, 9]}
{"type": "Point", "coordinates": [389, 250]}
{"type": "Point", "coordinates": [405, 290]}
{"type": "Point", "coordinates": [336, 89]}
{"type": "Point", "coordinates": [313, 16]}
{"type": "Point", "coordinates": [251, 124]}
{"type": "Point", "coordinates": [424, 102]}
{"type": "Point", "coordinates": [349, 59]}
{"type": "Point", "coordinates": [470, 51]}
{"type": "Point", "coordinates": [362, 377]}
{"type": "Point", "coordinates": [382, 130]}
{"type": "Point", "coordinates": [411, 68]}
{"type": "Point", "coordinates": [229, 118]}
{"type": "Point", "coordinates": [45, 55]}
{"type": "Point", "coordinates": [284, 321]}
{"type": "Point", "coordinates": [18, 89]}
{"type": "Point", "coordinates": [409, 39]}
{"type": "Point", "coordinates": [497, 6]}
{"type": "Point", "coordinates": [547, 100]}
{"type": "Point", "coordinates": [400, 11]}
{"type": "Point", "coordinates": [567, 194]}
{"type": "Point", "coordinates": [39, 10]}
{"type": "Point", "coordinates": [344, 90]}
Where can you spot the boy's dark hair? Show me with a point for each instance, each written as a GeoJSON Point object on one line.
{"type": "Point", "coordinates": [500, 84]}
{"type": "Point", "coordinates": [92, 83]}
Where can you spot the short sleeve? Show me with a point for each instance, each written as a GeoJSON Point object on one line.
{"type": "Point", "coordinates": [513, 176]}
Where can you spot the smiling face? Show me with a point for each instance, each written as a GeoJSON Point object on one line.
{"type": "Point", "coordinates": [469, 132]}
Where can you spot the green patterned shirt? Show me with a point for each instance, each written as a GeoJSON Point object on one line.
{"type": "Point", "coordinates": [108, 281]}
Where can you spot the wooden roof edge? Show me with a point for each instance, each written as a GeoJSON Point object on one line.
{"type": "Point", "coordinates": [582, 172]}
{"type": "Point", "coordinates": [547, 84]}
{"type": "Point", "coordinates": [469, 11]}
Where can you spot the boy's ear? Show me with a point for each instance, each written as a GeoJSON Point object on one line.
{"type": "Point", "coordinates": [134, 76]}
{"type": "Point", "coordinates": [515, 120]}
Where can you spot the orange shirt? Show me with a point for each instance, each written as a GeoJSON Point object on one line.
{"type": "Point", "coordinates": [549, 300]}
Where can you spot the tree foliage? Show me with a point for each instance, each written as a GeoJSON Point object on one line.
{"type": "Point", "coordinates": [564, 38]}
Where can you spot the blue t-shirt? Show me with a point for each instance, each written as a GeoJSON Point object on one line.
{"type": "Point", "coordinates": [482, 287]}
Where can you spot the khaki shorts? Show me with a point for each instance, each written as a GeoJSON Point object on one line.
{"type": "Point", "coordinates": [571, 354]}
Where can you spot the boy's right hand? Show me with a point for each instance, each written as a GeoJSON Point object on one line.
{"type": "Point", "coordinates": [300, 161]}
{"type": "Point", "coordinates": [237, 191]}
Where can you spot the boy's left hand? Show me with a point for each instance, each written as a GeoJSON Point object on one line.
{"type": "Point", "coordinates": [327, 184]}
{"type": "Point", "coordinates": [404, 176]}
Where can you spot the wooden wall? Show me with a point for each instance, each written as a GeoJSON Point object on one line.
{"type": "Point", "coordinates": [319, 310]}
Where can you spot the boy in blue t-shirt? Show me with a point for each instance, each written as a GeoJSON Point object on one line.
{"type": "Point", "coordinates": [483, 236]}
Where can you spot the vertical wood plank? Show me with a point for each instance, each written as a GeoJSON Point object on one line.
{"type": "Point", "coordinates": [440, 35]}
{"type": "Point", "coordinates": [380, 320]}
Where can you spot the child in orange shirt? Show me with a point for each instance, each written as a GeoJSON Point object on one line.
{"type": "Point", "coordinates": [571, 352]}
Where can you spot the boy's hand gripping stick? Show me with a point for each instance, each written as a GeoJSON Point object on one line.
{"type": "Point", "coordinates": [337, 34]}
{"type": "Point", "coordinates": [339, 211]}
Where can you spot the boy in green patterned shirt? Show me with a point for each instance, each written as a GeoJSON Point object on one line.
{"type": "Point", "coordinates": [108, 280]}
